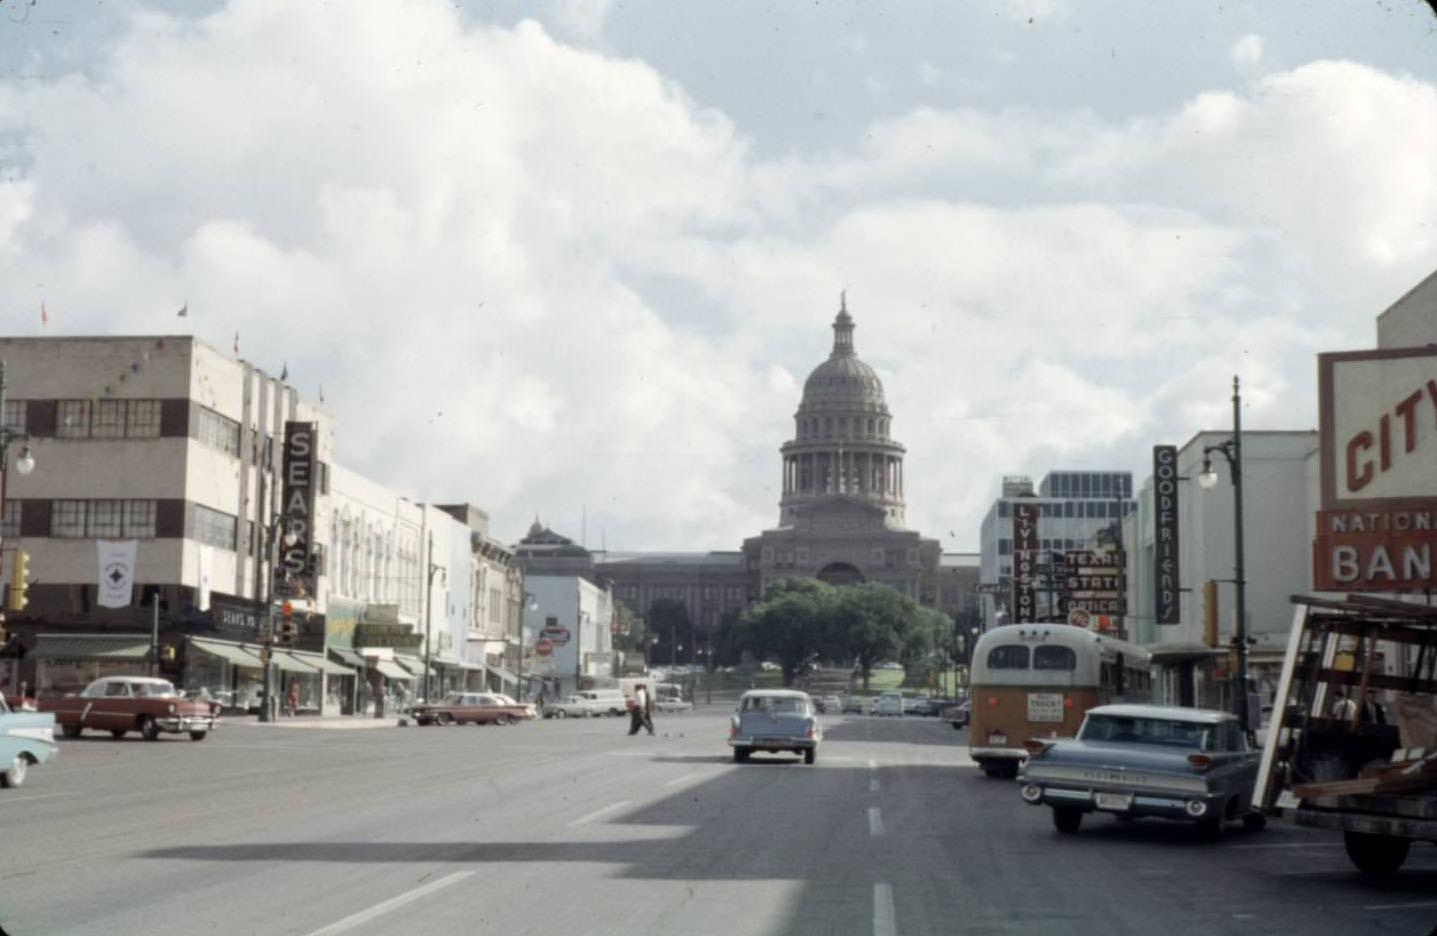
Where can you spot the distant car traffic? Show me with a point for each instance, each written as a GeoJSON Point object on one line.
{"type": "Point", "coordinates": [574, 706]}
{"type": "Point", "coordinates": [1146, 760]}
{"type": "Point", "coordinates": [853, 704]}
{"type": "Point", "coordinates": [672, 704]}
{"type": "Point", "coordinates": [889, 703]}
{"type": "Point", "coordinates": [775, 720]}
{"type": "Point", "coordinates": [957, 715]}
{"type": "Point", "coordinates": [832, 705]}
{"type": "Point", "coordinates": [26, 738]}
{"type": "Point", "coordinates": [121, 704]}
{"type": "Point", "coordinates": [474, 708]}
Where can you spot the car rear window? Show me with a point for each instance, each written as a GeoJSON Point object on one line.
{"type": "Point", "coordinates": [1008, 656]}
{"type": "Point", "coordinates": [1167, 731]}
{"type": "Point", "coordinates": [772, 704]}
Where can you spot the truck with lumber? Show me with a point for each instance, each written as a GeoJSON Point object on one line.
{"type": "Point", "coordinates": [1334, 758]}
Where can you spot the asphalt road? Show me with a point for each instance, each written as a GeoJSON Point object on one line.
{"type": "Point", "coordinates": [571, 827]}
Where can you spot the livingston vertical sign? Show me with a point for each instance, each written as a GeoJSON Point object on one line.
{"type": "Point", "coordinates": [1025, 557]}
{"type": "Point", "coordinates": [1167, 577]}
{"type": "Point", "coordinates": [301, 443]}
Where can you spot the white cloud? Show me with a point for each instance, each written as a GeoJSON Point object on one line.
{"type": "Point", "coordinates": [490, 223]}
{"type": "Point", "coordinates": [928, 73]}
{"type": "Point", "coordinates": [1246, 53]}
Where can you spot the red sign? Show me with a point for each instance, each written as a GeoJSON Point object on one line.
{"type": "Point", "coordinates": [544, 646]}
{"type": "Point", "coordinates": [1378, 470]}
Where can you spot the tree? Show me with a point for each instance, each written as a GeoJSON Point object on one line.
{"type": "Point", "coordinates": [875, 622]}
{"type": "Point", "coordinates": [632, 632]}
{"type": "Point", "coordinates": [794, 624]}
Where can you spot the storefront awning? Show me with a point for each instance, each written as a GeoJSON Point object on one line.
{"type": "Point", "coordinates": [91, 647]}
{"type": "Point", "coordinates": [283, 660]}
{"type": "Point", "coordinates": [503, 674]}
{"type": "Point", "coordinates": [348, 657]}
{"type": "Point", "coordinates": [415, 666]}
{"type": "Point", "coordinates": [392, 671]}
{"type": "Point", "coordinates": [321, 663]}
{"type": "Point", "coordinates": [230, 653]}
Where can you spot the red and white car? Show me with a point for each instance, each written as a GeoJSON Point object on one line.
{"type": "Point", "coordinates": [121, 704]}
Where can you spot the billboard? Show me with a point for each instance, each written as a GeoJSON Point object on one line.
{"type": "Point", "coordinates": [301, 445]}
{"type": "Point", "coordinates": [1167, 576]}
{"type": "Point", "coordinates": [1377, 441]}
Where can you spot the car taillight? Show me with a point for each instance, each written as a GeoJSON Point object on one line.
{"type": "Point", "coordinates": [1199, 761]}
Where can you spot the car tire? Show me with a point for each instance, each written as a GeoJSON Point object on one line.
{"type": "Point", "coordinates": [1211, 827]}
{"type": "Point", "coordinates": [561, 714]}
{"type": "Point", "coordinates": [149, 728]}
{"type": "Point", "coordinates": [444, 718]}
{"type": "Point", "coordinates": [810, 755]}
{"type": "Point", "coordinates": [740, 755]}
{"type": "Point", "coordinates": [501, 719]}
{"type": "Point", "coordinates": [1067, 819]}
{"type": "Point", "coordinates": [14, 775]}
{"type": "Point", "coordinates": [957, 727]}
{"type": "Point", "coordinates": [118, 732]}
{"type": "Point", "coordinates": [198, 735]}
{"type": "Point", "coordinates": [71, 731]}
{"type": "Point", "coordinates": [1254, 821]}
{"type": "Point", "coordinates": [1376, 854]}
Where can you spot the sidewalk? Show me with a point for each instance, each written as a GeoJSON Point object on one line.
{"type": "Point", "coordinates": [329, 722]}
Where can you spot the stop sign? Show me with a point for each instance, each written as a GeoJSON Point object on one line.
{"type": "Point", "coordinates": [544, 646]}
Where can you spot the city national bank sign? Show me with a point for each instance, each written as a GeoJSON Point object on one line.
{"type": "Point", "coordinates": [301, 446]}
{"type": "Point", "coordinates": [1377, 528]}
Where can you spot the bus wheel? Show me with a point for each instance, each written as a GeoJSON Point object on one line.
{"type": "Point", "coordinates": [1376, 854]}
{"type": "Point", "coordinates": [1067, 819]}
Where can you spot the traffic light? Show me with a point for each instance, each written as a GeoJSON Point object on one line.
{"type": "Point", "coordinates": [287, 630]}
{"type": "Point", "coordinates": [19, 595]}
{"type": "Point", "coordinates": [1209, 612]}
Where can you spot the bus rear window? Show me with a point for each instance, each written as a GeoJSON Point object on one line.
{"type": "Point", "coordinates": [1008, 656]}
{"type": "Point", "coordinates": [1055, 658]}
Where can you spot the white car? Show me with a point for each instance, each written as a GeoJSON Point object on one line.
{"type": "Point", "coordinates": [671, 704]}
{"type": "Point", "coordinates": [890, 703]}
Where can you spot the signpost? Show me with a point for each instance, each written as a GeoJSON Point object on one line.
{"type": "Point", "coordinates": [1025, 551]}
{"type": "Point", "coordinates": [1167, 574]}
{"type": "Point", "coordinates": [543, 646]}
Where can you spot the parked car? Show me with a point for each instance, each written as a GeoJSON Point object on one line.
{"type": "Point", "coordinates": [26, 738]}
{"type": "Point", "coordinates": [832, 705]}
{"type": "Point", "coordinates": [474, 708]}
{"type": "Point", "coordinates": [853, 704]}
{"type": "Point", "coordinates": [672, 704]}
{"type": "Point", "coordinates": [957, 715]}
{"type": "Point", "coordinates": [889, 703]}
{"type": "Point", "coordinates": [573, 706]}
{"type": "Point", "coordinates": [121, 704]}
{"type": "Point", "coordinates": [775, 720]}
{"type": "Point", "coordinates": [1146, 760]}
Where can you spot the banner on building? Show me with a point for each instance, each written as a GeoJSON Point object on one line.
{"type": "Point", "coordinates": [202, 591]}
{"type": "Point", "coordinates": [1378, 470]}
{"type": "Point", "coordinates": [1025, 561]}
{"type": "Point", "coordinates": [301, 446]}
{"type": "Point", "coordinates": [1167, 575]}
{"type": "Point", "coordinates": [117, 572]}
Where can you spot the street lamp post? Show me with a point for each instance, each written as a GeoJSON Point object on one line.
{"type": "Point", "coordinates": [428, 619]}
{"type": "Point", "coordinates": [532, 603]}
{"type": "Point", "coordinates": [1232, 451]}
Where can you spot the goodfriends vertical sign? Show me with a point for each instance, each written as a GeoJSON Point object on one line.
{"type": "Point", "coordinates": [1025, 553]}
{"type": "Point", "coordinates": [1167, 578]}
{"type": "Point", "coordinates": [300, 444]}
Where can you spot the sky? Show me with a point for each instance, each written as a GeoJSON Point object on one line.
{"type": "Point", "coordinates": [574, 259]}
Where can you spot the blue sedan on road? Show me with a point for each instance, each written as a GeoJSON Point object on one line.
{"type": "Point", "coordinates": [1132, 761]}
{"type": "Point", "coordinates": [25, 738]}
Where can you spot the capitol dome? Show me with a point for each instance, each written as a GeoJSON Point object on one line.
{"type": "Point", "coordinates": [843, 382]}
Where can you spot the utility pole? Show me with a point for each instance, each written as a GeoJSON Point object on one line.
{"type": "Point", "coordinates": [578, 634]}
{"type": "Point", "coordinates": [428, 618]}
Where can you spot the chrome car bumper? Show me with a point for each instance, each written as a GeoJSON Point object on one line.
{"type": "Point", "coordinates": [774, 744]}
{"type": "Point", "coordinates": [187, 723]}
{"type": "Point", "coordinates": [1151, 803]}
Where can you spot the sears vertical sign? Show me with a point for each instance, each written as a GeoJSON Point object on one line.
{"type": "Point", "coordinates": [1166, 572]}
{"type": "Point", "coordinates": [1025, 557]}
{"type": "Point", "coordinates": [301, 443]}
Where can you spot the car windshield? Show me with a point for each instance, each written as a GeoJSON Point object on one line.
{"type": "Point", "coordinates": [152, 689]}
{"type": "Point", "coordinates": [1171, 732]}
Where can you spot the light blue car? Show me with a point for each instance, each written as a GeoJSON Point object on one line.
{"type": "Point", "coordinates": [775, 720]}
{"type": "Point", "coordinates": [25, 738]}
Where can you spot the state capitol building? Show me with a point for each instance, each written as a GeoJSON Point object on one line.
{"type": "Point", "coordinates": [840, 518]}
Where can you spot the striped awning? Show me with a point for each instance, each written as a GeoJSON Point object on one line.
{"type": "Point", "coordinates": [229, 652]}
{"type": "Point", "coordinates": [284, 660]}
{"type": "Point", "coordinates": [52, 647]}
{"type": "Point", "coordinates": [392, 671]}
{"type": "Point", "coordinates": [348, 657]}
{"type": "Point", "coordinates": [415, 666]}
{"type": "Point", "coordinates": [321, 663]}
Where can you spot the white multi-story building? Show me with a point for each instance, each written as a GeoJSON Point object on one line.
{"type": "Point", "coordinates": [1279, 493]}
{"type": "Point", "coordinates": [1072, 507]}
{"type": "Point", "coordinates": [569, 621]}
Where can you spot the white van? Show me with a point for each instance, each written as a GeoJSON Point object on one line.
{"type": "Point", "coordinates": [606, 701]}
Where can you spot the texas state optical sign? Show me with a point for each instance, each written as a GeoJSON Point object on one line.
{"type": "Point", "coordinates": [1378, 448]}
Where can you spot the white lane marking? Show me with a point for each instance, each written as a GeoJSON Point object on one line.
{"type": "Point", "coordinates": [612, 807]}
{"type": "Point", "coordinates": [393, 903]}
{"type": "Point", "coordinates": [875, 821]}
{"type": "Point", "coordinates": [677, 780]}
{"type": "Point", "coordinates": [872, 764]}
{"type": "Point", "coordinates": [873, 785]}
{"type": "Point", "coordinates": [1408, 906]}
{"type": "Point", "coordinates": [883, 921]}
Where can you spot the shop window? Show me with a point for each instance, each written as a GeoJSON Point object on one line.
{"type": "Point", "coordinates": [219, 432]}
{"type": "Point", "coordinates": [67, 520]}
{"type": "Point", "coordinates": [139, 520]}
{"type": "Point", "coordinates": [212, 527]}
{"type": "Point", "coordinates": [105, 518]}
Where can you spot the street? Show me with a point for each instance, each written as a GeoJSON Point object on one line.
{"type": "Point", "coordinates": [572, 827]}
